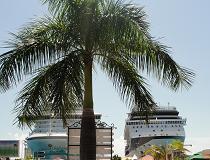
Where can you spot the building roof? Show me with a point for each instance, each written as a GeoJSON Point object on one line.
{"type": "Point", "coordinates": [205, 154]}
{"type": "Point", "coordinates": [147, 157]}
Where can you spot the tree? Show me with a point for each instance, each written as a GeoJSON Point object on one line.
{"type": "Point", "coordinates": [174, 150]}
{"type": "Point", "coordinates": [116, 157]}
{"type": "Point", "coordinates": [159, 152]}
{"type": "Point", "coordinates": [178, 149]}
{"type": "Point", "coordinates": [61, 51]}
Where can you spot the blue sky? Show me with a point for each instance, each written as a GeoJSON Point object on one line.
{"type": "Point", "coordinates": [182, 25]}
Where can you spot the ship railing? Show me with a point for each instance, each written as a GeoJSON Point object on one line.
{"type": "Point", "coordinates": [158, 121]}
{"type": "Point", "coordinates": [168, 108]}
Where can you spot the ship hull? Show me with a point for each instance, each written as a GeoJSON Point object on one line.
{"type": "Point", "coordinates": [139, 145]}
{"type": "Point", "coordinates": [48, 147]}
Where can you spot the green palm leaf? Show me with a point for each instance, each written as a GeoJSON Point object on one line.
{"type": "Point", "coordinates": [60, 84]}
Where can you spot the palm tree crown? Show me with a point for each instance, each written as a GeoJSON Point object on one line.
{"type": "Point", "coordinates": [60, 52]}
{"type": "Point", "coordinates": [168, 151]}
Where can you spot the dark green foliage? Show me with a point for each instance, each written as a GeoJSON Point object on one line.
{"type": "Point", "coordinates": [113, 33]}
{"type": "Point", "coordinates": [61, 50]}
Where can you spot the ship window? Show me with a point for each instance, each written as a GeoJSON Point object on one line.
{"type": "Point", "coordinates": [152, 126]}
{"type": "Point", "coordinates": [172, 126]}
{"type": "Point", "coordinates": [157, 126]}
{"type": "Point", "coordinates": [141, 126]}
{"type": "Point", "coordinates": [153, 130]}
{"type": "Point", "coordinates": [161, 130]}
{"type": "Point", "coordinates": [137, 126]}
{"type": "Point", "coordinates": [136, 131]}
{"type": "Point", "coordinates": [139, 135]}
{"type": "Point", "coordinates": [133, 126]}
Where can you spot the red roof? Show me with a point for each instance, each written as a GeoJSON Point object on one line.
{"type": "Point", "coordinates": [147, 157]}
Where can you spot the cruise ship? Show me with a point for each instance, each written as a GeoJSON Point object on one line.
{"type": "Point", "coordinates": [48, 139]}
{"type": "Point", "coordinates": [164, 126]}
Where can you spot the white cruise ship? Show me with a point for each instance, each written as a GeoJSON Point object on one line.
{"type": "Point", "coordinates": [48, 139]}
{"type": "Point", "coordinates": [164, 126]}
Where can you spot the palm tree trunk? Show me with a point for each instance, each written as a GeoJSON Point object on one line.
{"type": "Point", "coordinates": [88, 131]}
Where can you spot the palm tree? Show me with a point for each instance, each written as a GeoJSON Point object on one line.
{"type": "Point", "coordinates": [61, 51]}
{"type": "Point", "coordinates": [178, 149]}
{"type": "Point", "coordinates": [167, 152]}
{"type": "Point", "coordinates": [159, 152]}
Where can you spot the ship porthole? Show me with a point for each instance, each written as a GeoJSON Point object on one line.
{"type": "Point", "coordinates": [49, 145]}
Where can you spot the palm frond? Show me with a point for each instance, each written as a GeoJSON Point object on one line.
{"type": "Point", "coordinates": [129, 84]}
{"type": "Point", "coordinates": [156, 60]}
{"type": "Point", "coordinates": [39, 44]}
{"type": "Point", "coordinates": [57, 6]}
{"type": "Point", "coordinates": [122, 29]}
{"type": "Point", "coordinates": [57, 88]}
